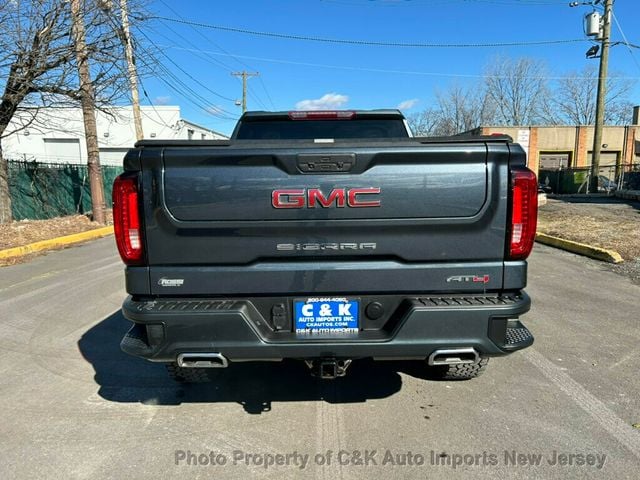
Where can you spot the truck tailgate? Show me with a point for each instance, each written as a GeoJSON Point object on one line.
{"type": "Point", "coordinates": [439, 183]}
{"type": "Point", "coordinates": [210, 217]}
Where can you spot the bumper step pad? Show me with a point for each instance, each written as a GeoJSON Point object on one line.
{"type": "Point", "coordinates": [518, 336]}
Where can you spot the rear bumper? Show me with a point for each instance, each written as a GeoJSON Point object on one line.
{"type": "Point", "coordinates": [163, 329]}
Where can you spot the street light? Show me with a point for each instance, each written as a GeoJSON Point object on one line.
{"type": "Point", "coordinates": [593, 52]}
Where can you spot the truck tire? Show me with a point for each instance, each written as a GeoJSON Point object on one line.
{"type": "Point", "coordinates": [190, 375]}
{"type": "Point", "coordinates": [465, 371]}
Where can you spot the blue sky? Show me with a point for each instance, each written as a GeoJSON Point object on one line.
{"type": "Point", "coordinates": [305, 73]}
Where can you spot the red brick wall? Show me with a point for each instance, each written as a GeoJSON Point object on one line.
{"type": "Point", "coordinates": [581, 148]}
{"type": "Point", "coordinates": [533, 157]}
{"type": "Point", "coordinates": [629, 145]}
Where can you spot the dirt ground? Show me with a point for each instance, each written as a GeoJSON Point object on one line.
{"type": "Point", "coordinates": [17, 234]}
{"type": "Point", "coordinates": [24, 232]}
{"type": "Point", "coordinates": [601, 221]}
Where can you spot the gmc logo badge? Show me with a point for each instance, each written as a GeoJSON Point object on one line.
{"type": "Point", "coordinates": [314, 197]}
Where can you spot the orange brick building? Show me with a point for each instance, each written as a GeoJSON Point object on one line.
{"type": "Point", "coordinates": [551, 147]}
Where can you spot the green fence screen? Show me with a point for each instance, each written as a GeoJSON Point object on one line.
{"type": "Point", "coordinates": [47, 190]}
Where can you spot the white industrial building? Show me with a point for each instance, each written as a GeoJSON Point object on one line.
{"type": "Point", "coordinates": [56, 135]}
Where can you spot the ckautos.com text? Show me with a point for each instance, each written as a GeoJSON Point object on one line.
{"type": "Point", "coordinates": [388, 458]}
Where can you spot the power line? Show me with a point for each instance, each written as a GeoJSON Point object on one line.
{"type": "Point", "coordinates": [160, 121]}
{"type": "Point", "coordinates": [196, 99]}
{"type": "Point", "coordinates": [170, 74]}
{"type": "Point", "coordinates": [187, 73]}
{"type": "Point", "coordinates": [257, 99]}
{"type": "Point", "coordinates": [522, 3]}
{"type": "Point", "coordinates": [249, 93]}
{"type": "Point", "coordinates": [245, 76]}
{"type": "Point", "coordinates": [208, 39]}
{"type": "Point", "coordinates": [382, 70]}
{"type": "Point", "coordinates": [204, 36]}
{"type": "Point", "coordinates": [369, 43]}
{"type": "Point", "coordinates": [175, 34]}
{"type": "Point", "coordinates": [409, 3]}
{"type": "Point", "coordinates": [205, 106]}
{"type": "Point", "coordinates": [264, 87]}
{"type": "Point", "coordinates": [205, 56]}
{"type": "Point", "coordinates": [626, 42]}
{"type": "Point", "coordinates": [200, 103]}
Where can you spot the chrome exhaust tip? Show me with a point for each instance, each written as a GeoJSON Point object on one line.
{"type": "Point", "coordinates": [202, 360]}
{"type": "Point", "coordinates": [454, 356]}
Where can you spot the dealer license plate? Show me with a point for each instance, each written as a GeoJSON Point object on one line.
{"type": "Point", "coordinates": [326, 315]}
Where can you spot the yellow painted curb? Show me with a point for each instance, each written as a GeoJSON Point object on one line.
{"type": "Point", "coordinates": [580, 248]}
{"type": "Point", "coordinates": [55, 242]}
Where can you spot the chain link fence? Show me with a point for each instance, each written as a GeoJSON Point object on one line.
{"type": "Point", "coordinates": [576, 180]}
{"type": "Point", "coordinates": [46, 190]}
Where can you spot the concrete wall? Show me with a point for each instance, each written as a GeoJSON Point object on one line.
{"type": "Point", "coordinates": [63, 127]}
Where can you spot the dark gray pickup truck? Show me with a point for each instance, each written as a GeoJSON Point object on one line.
{"type": "Point", "coordinates": [325, 237]}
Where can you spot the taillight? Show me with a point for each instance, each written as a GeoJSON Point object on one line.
{"type": "Point", "coordinates": [126, 219]}
{"type": "Point", "coordinates": [322, 115]}
{"type": "Point", "coordinates": [524, 213]}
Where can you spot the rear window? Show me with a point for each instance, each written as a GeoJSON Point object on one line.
{"type": "Point", "coordinates": [308, 129]}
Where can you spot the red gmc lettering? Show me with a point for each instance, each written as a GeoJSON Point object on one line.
{"type": "Point", "coordinates": [355, 202]}
{"type": "Point", "coordinates": [336, 195]}
{"type": "Point", "coordinates": [288, 198]}
{"type": "Point", "coordinates": [314, 197]}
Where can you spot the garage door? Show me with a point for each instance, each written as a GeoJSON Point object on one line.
{"type": "Point", "coordinates": [62, 150]}
{"type": "Point", "coordinates": [606, 158]}
{"type": "Point", "coordinates": [554, 160]}
{"type": "Point", "coordinates": [608, 162]}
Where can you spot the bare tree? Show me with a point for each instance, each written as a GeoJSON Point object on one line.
{"type": "Point", "coordinates": [517, 88]}
{"type": "Point", "coordinates": [461, 110]}
{"type": "Point", "coordinates": [38, 65]}
{"type": "Point", "coordinates": [424, 123]}
{"type": "Point", "coordinates": [516, 92]}
{"type": "Point", "coordinates": [457, 110]}
{"type": "Point", "coordinates": [574, 99]}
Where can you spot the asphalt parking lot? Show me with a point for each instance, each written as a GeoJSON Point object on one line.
{"type": "Point", "coordinates": [74, 406]}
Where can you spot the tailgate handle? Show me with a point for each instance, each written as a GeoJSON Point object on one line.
{"type": "Point", "coordinates": [332, 163]}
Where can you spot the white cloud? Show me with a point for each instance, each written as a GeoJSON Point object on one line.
{"type": "Point", "coordinates": [408, 104]}
{"type": "Point", "coordinates": [329, 101]}
{"type": "Point", "coordinates": [163, 100]}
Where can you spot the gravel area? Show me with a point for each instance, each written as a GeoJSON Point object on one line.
{"type": "Point", "coordinates": [17, 234]}
{"type": "Point", "coordinates": [24, 232]}
{"type": "Point", "coordinates": [605, 222]}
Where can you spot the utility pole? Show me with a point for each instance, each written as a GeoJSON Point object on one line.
{"type": "Point", "coordinates": [131, 69]}
{"type": "Point", "coordinates": [602, 90]}
{"type": "Point", "coordinates": [244, 76]}
{"type": "Point", "coordinates": [87, 100]}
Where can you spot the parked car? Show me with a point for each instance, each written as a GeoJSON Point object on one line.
{"type": "Point", "coordinates": [606, 184]}
{"type": "Point", "coordinates": [543, 188]}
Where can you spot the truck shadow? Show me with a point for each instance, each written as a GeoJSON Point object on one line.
{"type": "Point", "coordinates": [254, 385]}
